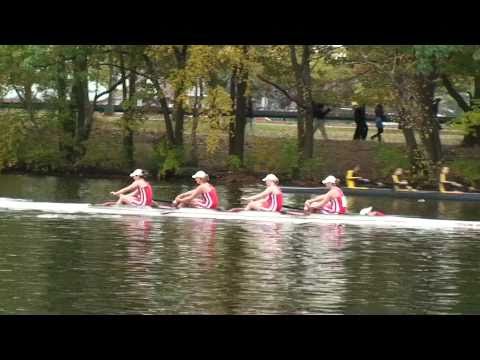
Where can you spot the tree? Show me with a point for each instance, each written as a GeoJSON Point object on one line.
{"type": "Point", "coordinates": [461, 73]}
{"type": "Point", "coordinates": [410, 72]}
{"type": "Point", "coordinates": [289, 70]}
{"type": "Point", "coordinates": [19, 65]}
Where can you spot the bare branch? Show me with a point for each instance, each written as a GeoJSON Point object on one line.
{"type": "Point", "coordinates": [279, 88]}
{"type": "Point", "coordinates": [109, 90]}
{"type": "Point", "coordinates": [19, 94]}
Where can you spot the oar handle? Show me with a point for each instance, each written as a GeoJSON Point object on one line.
{"type": "Point", "coordinates": [162, 200]}
{"type": "Point", "coordinates": [291, 207]}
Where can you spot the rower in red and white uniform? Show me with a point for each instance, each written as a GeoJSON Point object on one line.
{"type": "Point", "coordinates": [203, 196]}
{"type": "Point", "coordinates": [271, 199]}
{"type": "Point", "coordinates": [139, 193]}
{"type": "Point", "coordinates": [333, 202]}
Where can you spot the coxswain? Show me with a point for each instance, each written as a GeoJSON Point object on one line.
{"type": "Point", "coordinates": [271, 199]}
{"type": "Point", "coordinates": [204, 196]}
{"type": "Point", "coordinates": [351, 178]}
{"type": "Point", "coordinates": [444, 185]}
{"type": "Point", "coordinates": [400, 184]}
{"type": "Point", "coordinates": [139, 193]}
{"type": "Point", "coordinates": [333, 202]}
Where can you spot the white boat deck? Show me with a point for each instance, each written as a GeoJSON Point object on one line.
{"type": "Point", "coordinates": [8, 204]}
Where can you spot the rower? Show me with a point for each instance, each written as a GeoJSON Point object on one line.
{"type": "Point", "coordinates": [444, 185]}
{"type": "Point", "coordinates": [139, 193]}
{"type": "Point", "coordinates": [204, 196]}
{"type": "Point", "coordinates": [351, 178]}
{"type": "Point", "coordinates": [333, 202]}
{"type": "Point", "coordinates": [271, 199]}
{"type": "Point", "coordinates": [400, 184]}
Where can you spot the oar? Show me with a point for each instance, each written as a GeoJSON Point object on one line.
{"type": "Point", "coordinates": [169, 206]}
{"type": "Point", "coordinates": [163, 201]}
{"type": "Point", "coordinates": [291, 207]}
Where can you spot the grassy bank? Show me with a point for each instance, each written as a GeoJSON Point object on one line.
{"type": "Point", "coordinates": [270, 147]}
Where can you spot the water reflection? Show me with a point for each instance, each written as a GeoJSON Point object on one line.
{"type": "Point", "coordinates": [77, 264]}
{"type": "Point", "coordinates": [202, 233]}
{"type": "Point", "coordinates": [140, 277]}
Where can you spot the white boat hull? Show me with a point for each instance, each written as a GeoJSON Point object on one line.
{"type": "Point", "coordinates": [259, 216]}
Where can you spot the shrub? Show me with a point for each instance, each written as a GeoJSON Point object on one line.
{"type": "Point", "coordinates": [167, 160]}
{"type": "Point", "coordinates": [234, 163]}
{"type": "Point", "coordinates": [390, 158]}
{"type": "Point", "coordinates": [469, 124]}
{"type": "Point", "coordinates": [26, 144]}
{"type": "Point", "coordinates": [468, 168]}
{"type": "Point", "coordinates": [289, 159]}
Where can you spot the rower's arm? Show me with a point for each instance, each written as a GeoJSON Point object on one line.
{"type": "Point", "coordinates": [316, 199]}
{"type": "Point", "coordinates": [350, 176]}
{"type": "Point", "coordinates": [191, 194]}
{"type": "Point", "coordinates": [125, 189]}
{"type": "Point", "coordinates": [396, 180]}
{"type": "Point", "coordinates": [185, 194]}
{"type": "Point", "coordinates": [322, 200]}
{"type": "Point", "coordinates": [262, 195]}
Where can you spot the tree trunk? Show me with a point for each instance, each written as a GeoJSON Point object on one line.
{"type": "Point", "coordinates": [124, 77]}
{"type": "Point", "coordinates": [65, 116]}
{"type": "Point", "coordinates": [196, 115]}
{"type": "Point", "coordinates": [181, 54]}
{"type": "Point", "coordinates": [301, 132]}
{"type": "Point", "coordinates": [409, 134]}
{"type": "Point", "coordinates": [179, 118]}
{"type": "Point", "coordinates": [455, 94]}
{"type": "Point", "coordinates": [128, 119]}
{"type": "Point", "coordinates": [162, 100]}
{"type": "Point", "coordinates": [473, 137]}
{"type": "Point", "coordinates": [81, 102]}
{"type": "Point", "coordinates": [308, 102]}
{"type": "Point", "coordinates": [415, 108]}
{"type": "Point", "coordinates": [476, 89]}
{"type": "Point", "coordinates": [237, 136]}
{"type": "Point", "coordinates": [233, 97]}
{"type": "Point", "coordinates": [29, 102]}
{"type": "Point", "coordinates": [428, 123]}
{"type": "Point", "coordinates": [303, 87]}
{"type": "Point", "coordinates": [111, 80]}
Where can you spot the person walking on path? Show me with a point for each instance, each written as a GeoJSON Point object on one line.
{"type": "Point", "coordinates": [359, 116]}
{"type": "Point", "coordinates": [319, 114]}
{"type": "Point", "coordinates": [379, 119]}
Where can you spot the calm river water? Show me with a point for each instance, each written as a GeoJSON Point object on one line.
{"type": "Point", "coordinates": [90, 264]}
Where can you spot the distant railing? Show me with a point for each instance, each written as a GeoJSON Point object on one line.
{"type": "Point", "coordinates": [336, 114]}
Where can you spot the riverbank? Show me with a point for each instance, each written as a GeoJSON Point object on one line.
{"type": "Point", "coordinates": [269, 147]}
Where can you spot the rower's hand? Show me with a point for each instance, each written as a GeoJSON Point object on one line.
{"type": "Point", "coordinates": [113, 192]}
{"type": "Point", "coordinates": [243, 198]}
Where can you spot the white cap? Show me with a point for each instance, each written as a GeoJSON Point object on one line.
{"type": "Point", "coordinates": [330, 179]}
{"type": "Point", "coordinates": [366, 211]}
{"type": "Point", "coordinates": [137, 172]}
{"type": "Point", "coordinates": [200, 174]}
{"type": "Point", "coordinates": [270, 177]}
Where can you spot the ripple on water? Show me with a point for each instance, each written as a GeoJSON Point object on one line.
{"type": "Point", "coordinates": [73, 263]}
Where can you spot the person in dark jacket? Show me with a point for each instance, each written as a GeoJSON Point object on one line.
{"type": "Point", "coordinates": [319, 114]}
{"type": "Point", "coordinates": [359, 116]}
{"type": "Point", "coordinates": [379, 119]}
